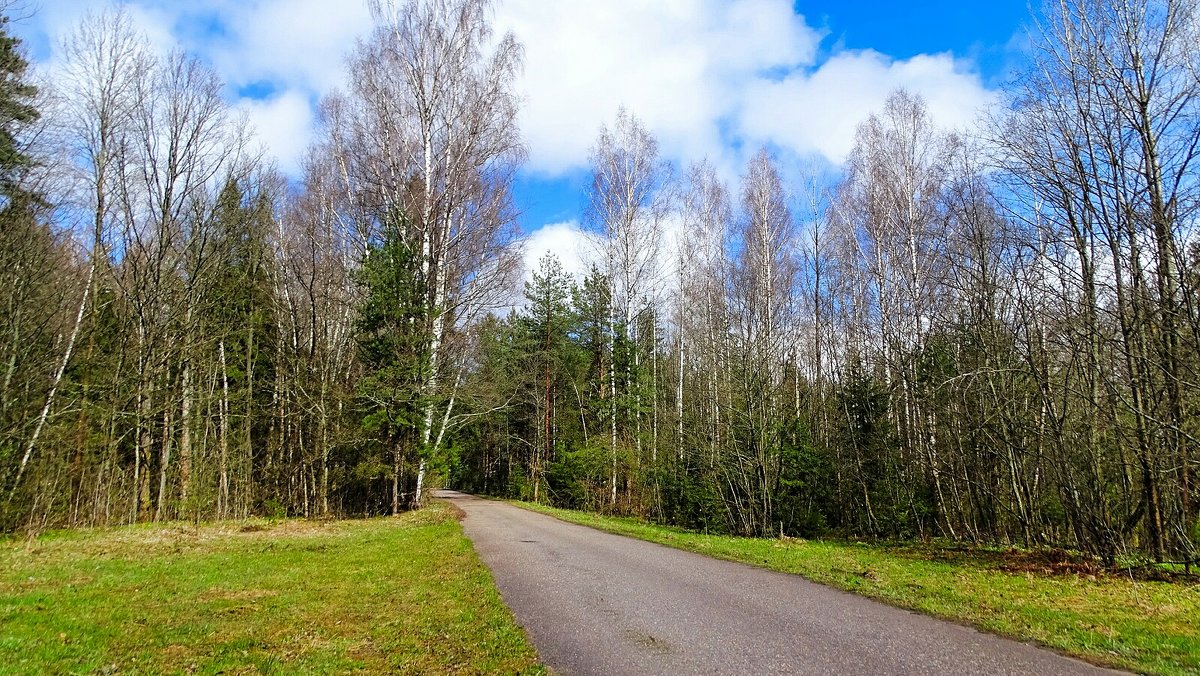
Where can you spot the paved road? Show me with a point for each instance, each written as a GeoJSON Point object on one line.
{"type": "Point", "coordinates": [596, 603]}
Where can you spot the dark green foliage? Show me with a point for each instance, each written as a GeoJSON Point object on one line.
{"type": "Point", "coordinates": [34, 292]}
{"type": "Point", "coordinates": [805, 494]}
{"type": "Point", "coordinates": [240, 312]}
{"type": "Point", "coordinates": [16, 110]}
{"type": "Point", "coordinates": [393, 347]}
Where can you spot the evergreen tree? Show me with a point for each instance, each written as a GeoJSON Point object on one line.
{"type": "Point", "coordinates": [546, 324]}
{"type": "Point", "coordinates": [16, 110]}
{"type": "Point", "coordinates": [32, 283]}
{"type": "Point", "coordinates": [394, 350]}
{"type": "Point", "coordinates": [239, 308]}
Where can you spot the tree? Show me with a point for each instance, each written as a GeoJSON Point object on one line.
{"type": "Point", "coordinates": [628, 202]}
{"type": "Point", "coordinates": [760, 288]}
{"type": "Point", "coordinates": [547, 322]}
{"type": "Point", "coordinates": [429, 131]}
{"type": "Point", "coordinates": [17, 111]}
{"type": "Point", "coordinates": [394, 349]}
{"type": "Point", "coordinates": [29, 252]}
{"type": "Point", "coordinates": [1101, 146]}
{"type": "Point", "coordinates": [890, 215]}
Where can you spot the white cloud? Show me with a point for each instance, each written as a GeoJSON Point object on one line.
{"type": "Point", "coordinates": [703, 74]}
{"type": "Point", "coordinates": [675, 64]}
{"type": "Point", "coordinates": [708, 77]}
{"type": "Point", "coordinates": [577, 250]}
{"type": "Point", "coordinates": [818, 112]}
{"type": "Point", "coordinates": [279, 123]}
{"type": "Point", "coordinates": [294, 49]}
{"type": "Point", "coordinates": [567, 241]}
{"type": "Point", "coordinates": [293, 43]}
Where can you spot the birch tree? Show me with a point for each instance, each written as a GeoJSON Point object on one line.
{"type": "Point", "coordinates": [430, 132]}
{"type": "Point", "coordinates": [629, 201]}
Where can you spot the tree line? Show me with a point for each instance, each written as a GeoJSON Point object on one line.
{"type": "Point", "coordinates": [987, 335]}
{"type": "Point", "coordinates": [189, 334]}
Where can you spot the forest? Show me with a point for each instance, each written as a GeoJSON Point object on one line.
{"type": "Point", "coordinates": [985, 335]}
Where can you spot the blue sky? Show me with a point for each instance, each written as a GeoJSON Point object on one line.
{"type": "Point", "coordinates": [984, 36]}
{"type": "Point", "coordinates": [710, 78]}
{"type": "Point", "coordinates": [978, 30]}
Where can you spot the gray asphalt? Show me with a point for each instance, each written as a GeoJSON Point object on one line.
{"type": "Point", "coordinates": [596, 603]}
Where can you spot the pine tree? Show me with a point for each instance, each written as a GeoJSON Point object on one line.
{"type": "Point", "coordinates": [16, 110]}
{"type": "Point", "coordinates": [546, 324]}
{"type": "Point", "coordinates": [239, 308]}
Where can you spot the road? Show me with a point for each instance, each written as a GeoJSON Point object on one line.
{"type": "Point", "coordinates": [596, 603]}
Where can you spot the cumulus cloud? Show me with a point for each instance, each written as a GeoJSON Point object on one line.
{"type": "Point", "coordinates": [279, 122]}
{"type": "Point", "coordinates": [277, 57]}
{"type": "Point", "coordinates": [567, 241]}
{"type": "Point", "coordinates": [291, 43]}
{"type": "Point", "coordinates": [818, 112]}
{"type": "Point", "coordinates": [710, 78]}
{"type": "Point", "coordinates": [676, 64]}
{"type": "Point", "coordinates": [578, 250]}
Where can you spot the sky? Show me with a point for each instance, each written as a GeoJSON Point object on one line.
{"type": "Point", "coordinates": [711, 79]}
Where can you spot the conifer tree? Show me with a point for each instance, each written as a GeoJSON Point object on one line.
{"type": "Point", "coordinates": [394, 349]}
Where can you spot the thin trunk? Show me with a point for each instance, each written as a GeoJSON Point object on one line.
{"type": "Point", "coordinates": [223, 491]}
{"type": "Point", "coordinates": [185, 434]}
{"type": "Point", "coordinates": [58, 376]}
{"type": "Point", "coordinates": [164, 467]}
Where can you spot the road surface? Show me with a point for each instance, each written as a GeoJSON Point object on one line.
{"type": "Point", "coordinates": [596, 603]}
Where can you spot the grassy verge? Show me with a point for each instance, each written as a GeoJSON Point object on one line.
{"type": "Point", "coordinates": [1144, 626]}
{"type": "Point", "coordinates": [405, 594]}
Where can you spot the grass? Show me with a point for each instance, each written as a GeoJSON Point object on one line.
{"type": "Point", "coordinates": [404, 594]}
{"type": "Point", "coordinates": [1145, 626]}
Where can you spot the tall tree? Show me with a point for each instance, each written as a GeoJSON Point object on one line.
{"type": "Point", "coordinates": [548, 320]}
{"type": "Point", "coordinates": [430, 132]}
{"type": "Point", "coordinates": [629, 201]}
{"type": "Point", "coordinates": [394, 348]}
{"type": "Point", "coordinates": [1102, 144]}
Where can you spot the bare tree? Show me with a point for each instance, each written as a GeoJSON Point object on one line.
{"type": "Point", "coordinates": [429, 133]}
{"type": "Point", "coordinates": [1103, 145]}
{"type": "Point", "coordinates": [707, 216]}
{"type": "Point", "coordinates": [629, 201]}
{"type": "Point", "coordinates": [890, 213]}
{"type": "Point", "coordinates": [760, 288]}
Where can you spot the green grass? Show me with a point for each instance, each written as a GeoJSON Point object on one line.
{"type": "Point", "coordinates": [404, 594]}
{"type": "Point", "coordinates": [1151, 627]}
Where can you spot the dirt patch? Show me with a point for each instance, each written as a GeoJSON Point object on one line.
{"type": "Point", "coordinates": [1049, 562]}
{"type": "Point", "coordinates": [290, 528]}
{"type": "Point", "coordinates": [181, 538]}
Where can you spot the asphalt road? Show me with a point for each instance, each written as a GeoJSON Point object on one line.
{"type": "Point", "coordinates": [596, 603]}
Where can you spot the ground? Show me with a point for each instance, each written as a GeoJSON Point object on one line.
{"type": "Point", "coordinates": [379, 595]}
{"type": "Point", "coordinates": [1144, 620]}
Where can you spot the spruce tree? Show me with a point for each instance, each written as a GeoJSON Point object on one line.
{"type": "Point", "coordinates": [16, 110]}
{"type": "Point", "coordinates": [394, 350]}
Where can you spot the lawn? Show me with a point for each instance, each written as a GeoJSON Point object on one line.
{"type": "Point", "coordinates": [1113, 620]}
{"type": "Point", "coordinates": [404, 594]}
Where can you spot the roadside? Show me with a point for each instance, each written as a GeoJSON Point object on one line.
{"type": "Point", "coordinates": [405, 594]}
{"type": "Point", "coordinates": [598, 603]}
{"type": "Point", "coordinates": [1146, 626]}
